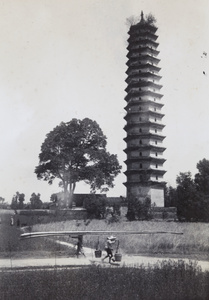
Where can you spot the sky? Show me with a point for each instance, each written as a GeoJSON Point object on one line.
{"type": "Point", "coordinates": [67, 59]}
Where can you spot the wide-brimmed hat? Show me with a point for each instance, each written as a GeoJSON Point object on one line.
{"type": "Point", "coordinates": [111, 237]}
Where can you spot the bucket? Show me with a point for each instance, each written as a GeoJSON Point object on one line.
{"type": "Point", "coordinates": [98, 253]}
{"type": "Point", "coordinates": [118, 257]}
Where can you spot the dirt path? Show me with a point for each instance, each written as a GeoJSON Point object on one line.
{"type": "Point", "coordinates": [127, 260]}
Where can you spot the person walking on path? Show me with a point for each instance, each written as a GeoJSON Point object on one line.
{"type": "Point", "coordinates": [11, 221]}
{"type": "Point", "coordinates": [80, 246]}
{"type": "Point", "coordinates": [109, 248]}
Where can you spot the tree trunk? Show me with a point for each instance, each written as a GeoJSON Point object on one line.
{"type": "Point", "coordinates": [71, 192]}
{"type": "Point", "coordinates": [66, 196]}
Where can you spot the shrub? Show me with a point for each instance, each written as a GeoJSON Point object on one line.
{"type": "Point", "coordinates": [139, 210]}
{"type": "Point", "coordinates": [95, 206]}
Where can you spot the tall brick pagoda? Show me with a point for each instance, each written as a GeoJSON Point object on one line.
{"type": "Point", "coordinates": [144, 128]}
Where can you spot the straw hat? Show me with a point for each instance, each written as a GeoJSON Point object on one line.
{"type": "Point", "coordinates": [111, 237]}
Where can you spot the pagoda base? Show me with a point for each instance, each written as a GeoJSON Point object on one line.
{"type": "Point", "coordinates": [155, 193]}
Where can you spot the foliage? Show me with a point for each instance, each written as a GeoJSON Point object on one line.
{"type": "Point", "coordinates": [191, 196]}
{"type": "Point", "coordinates": [202, 178]}
{"type": "Point", "coordinates": [113, 213]}
{"type": "Point", "coordinates": [95, 206]}
{"type": "Point", "coordinates": [150, 19]}
{"type": "Point", "coordinates": [170, 197]}
{"type": "Point", "coordinates": [139, 210]}
{"type": "Point", "coordinates": [168, 280]}
{"type": "Point", "coordinates": [3, 204]}
{"type": "Point", "coordinates": [17, 201]}
{"type": "Point", "coordinates": [187, 197]}
{"type": "Point", "coordinates": [192, 204]}
{"type": "Point", "coordinates": [35, 201]}
{"type": "Point", "coordinates": [54, 198]}
{"type": "Point", "coordinates": [76, 151]}
{"type": "Point", "coordinates": [2, 200]}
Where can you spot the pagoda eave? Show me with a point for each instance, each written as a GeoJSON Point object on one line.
{"type": "Point", "coordinates": [151, 183]}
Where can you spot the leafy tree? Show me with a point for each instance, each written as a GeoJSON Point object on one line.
{"type": "Point", "coordinates": [76, 151]}
{"type": "Point", "coordinates": [170, 196]}
{"type": "Point", "coordinates": [17, 201]}
{"type": "Point", "coordinates": [95, 206]}
{"type": "Point", "coordinates": [35, 201]}
{"type": "Point", "coordinates": [54, 198]}
{"type": "Point", "coordinates": [21, 200]}
{"type": "Point", "coordinates": [139, 210]}
{"type": "Point", "coordinates": [131, 213]}
{"type": "Point", "coordinates": [188, 198]}
{"type": "Point", "coordinates": [202, 178]}
{"type": "Point", "coordinates": [2, 202]}
{"type": "Point", "coordinates": [191, 196]}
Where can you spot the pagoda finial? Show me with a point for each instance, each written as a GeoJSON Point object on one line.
{"type": "Point", "coordinates": [142, 16]}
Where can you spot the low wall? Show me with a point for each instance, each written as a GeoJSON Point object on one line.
{"type": "Point", "coordinates": [31, 217]}
{"type": "Point", "coordinates": [165, 213]}
{"type": "Point", "coordinates": [158, 213]}
{"type": "Point", "coordinates": [36, 216]}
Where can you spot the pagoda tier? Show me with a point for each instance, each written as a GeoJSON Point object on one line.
{"type": "Point", "coordinates": [150, 184]}
{"type": "Point", "coordinates": [134, 103]}
{"type": "Point", "coordinates": [155, 148]}
{"type": "Point", "coordinates": [142, 84]}
{"type": "Point", "coordinates": [144, 128]}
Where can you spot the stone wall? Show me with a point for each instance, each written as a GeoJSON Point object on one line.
{"type": "Point", "coordinates": [32, 217]}
{"type": "Point", "coordinates": [159, 213]}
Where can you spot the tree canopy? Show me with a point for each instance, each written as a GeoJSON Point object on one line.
{"type": "Point", "coordinates": [76, 151]}
{"type": "Point", "coordinates": [17, 200]}
{"type": "Point", "coordinates": [191, 196]}
{"type": "Point", "coordinates": [202, 177]}
{"type": "Point", "coordinates": [35, 201]}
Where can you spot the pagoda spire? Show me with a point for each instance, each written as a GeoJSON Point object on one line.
{"type": "Point", "coordinates": [142, 17]}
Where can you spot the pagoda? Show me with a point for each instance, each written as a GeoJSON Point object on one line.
{"type": "Point", "coordinates": [144, 127]}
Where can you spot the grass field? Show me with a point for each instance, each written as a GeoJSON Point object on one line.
{"type": "Point", "coordinates": [194, 241]}
{"type": "Point", "coordinates": [173, 281]}
{"type": "Point", "coordinates": [12, 246]}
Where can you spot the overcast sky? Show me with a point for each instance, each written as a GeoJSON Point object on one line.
{"type": "Point", "coordinates": [67, 59]}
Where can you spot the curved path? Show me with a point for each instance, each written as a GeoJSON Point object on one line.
{"type": "Point", "coordinates": [127, 260]}
{"type": "Point", "coordinates": [89, 259]}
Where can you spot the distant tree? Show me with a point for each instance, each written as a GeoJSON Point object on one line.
{"type": "Point", "coordinates": [35, 201]}
{"type": "Point", "coordinates": [17, 201]}
{"type": "Point", "coordinates": [95, 206]}
{"type": "Point", "coordinates": [54, 198]}
{"type": "Point", "coordinates": [2, 200]}
{"type": "Point", "coordinates": [131, 212]}
{"type": "Point", "coordinates": [21, 200]}
{"type": "Point", "coordinates": [14, 202]}
{"type": "Point", "coordinates": [202, 177]}
{"type": "Point", "coordinates": [138, 209]}
{"type": "Point", "coordinates": [76, 151]}
{"type": "Point", "coordinates": [170, 196]}
{"type": "Point", "coordinates": [188, 198]}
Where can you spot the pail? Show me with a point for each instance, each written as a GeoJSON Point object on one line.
{"type": "Point", "coordinates": [118, 257]}
{"type": "Point", "coordinates": [98, 253]}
